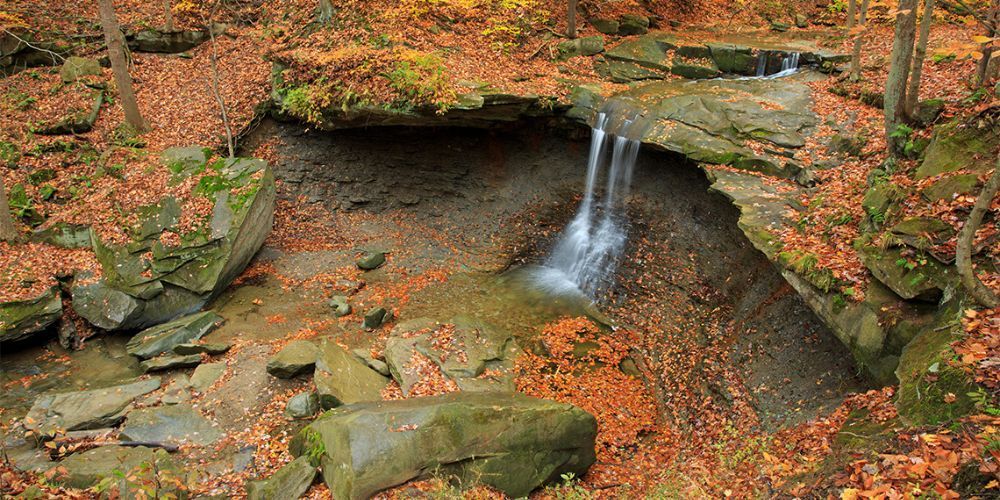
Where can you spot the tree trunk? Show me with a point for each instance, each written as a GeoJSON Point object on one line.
{"type": "Point", "coordinates": [7, 230]}
{"type": "Point", "coordinates": [993, 17]}
{"type": "Point", "coordinates": [216, 91]}
{"type": "Point", "coordinates": [899, 70]}
{"type": "Point", "coordinates": [856, 55]}
{"type": "Point", "coordinates": [852, 5]}
{"type": "Point", "coordinates": [913, 91]}
{"type": "Point", "coordinates": [169, 15]}
{"type": "Point", "coordinates": [119, 66]}
{"type": "Point", "coordinates": [966, 238]}
{"type": "Point", "coordinates": [325, 11]}
{"type": "Point", "coordinates": [571, 19]}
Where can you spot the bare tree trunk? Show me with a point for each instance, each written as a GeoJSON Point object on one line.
{"type": "Point", "coordinates": [858, 40]}
{"type": "Point", "coordinates": [7, 230]}
{"type": "Point", "coordinates": [993, 19]}
{"type": "Point", "coordinates": [169, 15]}
{"type": "Point", "coordinates": [852, 5]}
{"type": "Point", "coordinates": [214, 66]}
{"type": "Point", "coordinates": [966, 238]}
{"type": "Point", "coordinates": [913, 91]}
{"type": "Point", "coordinates": [571, 19]}
{"type": "Point", "coordinates": [325, 11]}
{"type": "Point", "coordinates": [899, 70]}
{"type": "Point", "coordinates": [119, 66]}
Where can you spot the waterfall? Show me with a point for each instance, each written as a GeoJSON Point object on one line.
{"type": "Point", "coordinates": [789, 63]}
{"type": "Point", "coordinates": [591, 245]}
{"type": "Point", "coordinates": [762, 63]}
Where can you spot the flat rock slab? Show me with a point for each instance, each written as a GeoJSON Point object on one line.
{"type": "Point", "coordinates": [296, 358]}
{"type": "Point", "coordinates": [161, 363]}
{"type": "Point", "coordinates": [164, 338]}
{"type": "Point", "coordinates": [290, 482]}
{"type": "Point", "coordinates": [206, 375]}
{"type": "Point", "coordinates": [87, 469]}
{"type": "Point", "coordinates": [341, 378]}
{"type": "Point", "coordinates": [210, 349]}
{"type": "Point", "coordinates": [81, 410]}
{"type": "Point", "coordinates": [511, 442]}
{"type": "Point", "coordinates": [177, 424]}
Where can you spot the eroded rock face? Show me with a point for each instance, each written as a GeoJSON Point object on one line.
{"type": "Point", "coordinates": [137, 292]}
{"type": "Point", "coordinates": [82, 410]}
{"type": "Point", "coordinates": [511, 442]}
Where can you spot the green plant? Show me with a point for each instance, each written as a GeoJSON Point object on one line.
{"type": "Point", "coordinates": [20, 100]}
{"type": "Point", "coordinates": [421, 79]}
{"type": "Point", "coordinates": [126, 135]}
{"type": "Point", "coordinates": [836, 6]}
{"type": "Point", "coordinates": [903, 131]}
{"type": "Point", "coordinates": [145, 480]}
{"type": "Point", "coordinates": [9, 154]}
{"type": "Point", "coordinates": [983, 402]}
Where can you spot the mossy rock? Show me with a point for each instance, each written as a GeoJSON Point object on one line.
{"type": "Point", "coordinates": [137, 292]}
{"type": "Point", "coordinates": [511, 442]}
{"type": "Point", "coordinates": [24, 318]}
{"type": "Point", "coordinates": [879, 199]}
{"type": "Point", "coordinates": [144, 465]}
{"type": "Point", "coordinates": [733, 59]}
{"type": "Point", "coordinates": [586, 46]}
{"type": "Point", "coordinates": [631, 24]}
{"type": "Point", "coordinates": [960, 146]}
{"type": "Point", "coordinates": [606, 26]}
{"type": "Point", "coordinates": [75, 68]}
{"type": "Point", "coordinates": [923, 232]}
{"type": "Point", "coordinates": [625, 72]}
{"type": "Point", "coordinates": [647, 51]}
{"type": "Point", "coordinates": [927, 382]}
{"type": "Point", "coordinates": [926, 282]}
{"type": "Point", "coordinates": [64, 235]}
{"type": "Point", "coordinates": [949, 187]}
{"type": "Point", "coordinates": [695, 69]}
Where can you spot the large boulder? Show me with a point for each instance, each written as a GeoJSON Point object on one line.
{"type": "Point", "coordinates": [511, 442]}
{"type": "Point", "coordinates": [463, 349]}
{"type": "Point", "coordinates": [585, 46]}
{"type": "Point", "coordinates": [82, 410]}
{"type": "Point", "coordinates": [164, 338]}
{"type": "Point", "coordinates": [961, 145]}
{"type": "Point", "coordinates": [76, 67]}
{"type": "Point", "coordinates": [24, 318]}
{"type": "Point", "coordinates": [152, 279]}
{"type": "Point", "coordinates": [341, 378]}
{"type": "Point", "coordinates": [175, 424]}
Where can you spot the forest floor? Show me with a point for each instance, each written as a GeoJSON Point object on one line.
{"type": "Point", "coordinates": [100, 177]}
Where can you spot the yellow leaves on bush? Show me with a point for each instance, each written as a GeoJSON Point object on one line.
{"type": "Point", "coordinates": [10, 20]}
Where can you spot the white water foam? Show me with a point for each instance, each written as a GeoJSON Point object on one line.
{"type": "Point", "coordinates": [591, 245]}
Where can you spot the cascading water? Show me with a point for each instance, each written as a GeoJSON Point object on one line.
{"type": "Point", "coordinates": [590, 247]}
{"type": "Point", "coordinates": [789, 64]}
